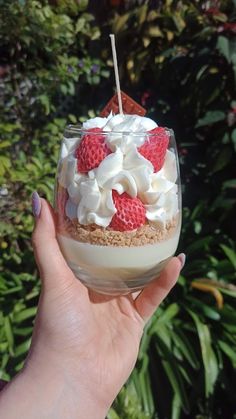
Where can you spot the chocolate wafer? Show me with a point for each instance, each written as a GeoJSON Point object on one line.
{"type": "Point", "coordinates": [129, 106]}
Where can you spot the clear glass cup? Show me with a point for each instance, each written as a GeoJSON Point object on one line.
{"type": "Point", "coordinates": [113, 262]}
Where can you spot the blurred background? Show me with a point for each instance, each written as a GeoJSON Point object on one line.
{"type": "Point", "coordinates": [178, 60]}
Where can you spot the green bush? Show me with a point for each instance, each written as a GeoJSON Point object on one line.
{"type": "Point", "coordinates": [178, 59]}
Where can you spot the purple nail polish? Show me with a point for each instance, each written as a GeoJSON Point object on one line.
{"type": "Point", "coordinates": [36, 204]}
{"type": "Point", "coordinates": [182, 258]}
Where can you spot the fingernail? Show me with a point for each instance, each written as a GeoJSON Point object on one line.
{"type": "Point", "coordinates": [36, 204]}
{"type": "Point", "coordinates": [182, 258]}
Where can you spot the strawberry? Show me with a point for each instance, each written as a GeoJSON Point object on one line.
{"type": "Point", "coordinates": [91, 150]}
{"type": "Point", "coordinates": [130, 212]}
{"type": "Point", "coordinates": [154, 148]}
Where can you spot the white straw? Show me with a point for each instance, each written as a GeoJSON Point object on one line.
{"type": "Point", "coordinates": [113, 47]}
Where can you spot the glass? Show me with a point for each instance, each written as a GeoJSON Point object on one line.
{"type": "Point", "coordinates": [107, 261]}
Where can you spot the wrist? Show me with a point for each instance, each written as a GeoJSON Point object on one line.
{"type": "Point", "coordinates": [64, 391]}
{"type": "Point", "coordinates": [48, 392]}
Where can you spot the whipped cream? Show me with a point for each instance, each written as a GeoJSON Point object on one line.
{"type": "Point", "coordinates": [124, 170]}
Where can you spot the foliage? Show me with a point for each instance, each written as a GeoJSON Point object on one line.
{"type": "Point", "coordinates": [46, 59]}
{"type": "Point", "coordinates": [178, 60]}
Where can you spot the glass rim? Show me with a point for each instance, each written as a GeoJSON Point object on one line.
{"type": "Point", "coordinates": [78, 129]}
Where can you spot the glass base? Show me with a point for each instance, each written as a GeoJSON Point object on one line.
{"type": "Point", "coordinates": [120, 282]}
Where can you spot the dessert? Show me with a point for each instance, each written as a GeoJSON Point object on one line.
{"type": "Point", "coordinates": [118, 200]}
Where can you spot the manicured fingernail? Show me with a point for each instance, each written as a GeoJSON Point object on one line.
{"type": "Point", "coordinates": [182, 258]}
{"type": "Point", "coordinates": [36, 204]}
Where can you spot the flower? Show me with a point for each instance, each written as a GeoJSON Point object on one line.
{"type": "Point", "coordinates": [95, 68]}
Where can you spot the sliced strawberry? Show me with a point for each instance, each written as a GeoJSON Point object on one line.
{"type": "Point", "coordinates": [91, 150]}
{"type": "Point", "coordinates": [130, 212]}
{"type": "Point", "coordinates": [154, 148]}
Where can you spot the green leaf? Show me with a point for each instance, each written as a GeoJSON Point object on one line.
{"type": "Point", "coordinates": [176, 407]}
{"type": "Point", "coordinates": [9, 334]}
{"type": "Point", "coordinates": [227, 48]}
{"type": "Point", "coordinates": [4, 360]}
{"type": "Point", "coordinates": [168, 314]}
{"type": "Point", "coordinates": [224, 47]}
{"type": "Point", "coordinates": [197, 227]}
{"type": "Point", "coordinates": [44, 99]}
{"type": "Point", "coordinates": [112, 414]}
{"type": "Point", "coordinates": [207, 310]}
{"type": "Point", "coordinates": [19, 366]}
{"type": "Point", "coordinates": [144, 343]}
{"type": "Point", "coordinates": [12, 290]}
{"type": "Point", "coordinates": [25, 314]}
{"type": "Point", "coordinates": [80, 24]}
{"type": "Point", "coordinates": [171, 368]}
{"type": "Point", "coordinates": [231, 255]}
{"type": "Point", "coordinates": [72, 118]}
{"type": "Point", "coordinates": [211, 117]}
{"type": "Point", "coordinates": [64, 89]}
{"type": "Point", "coordinates": [82, 5]}
{"type": "Point", "coordinates": [142, 14]}
{"type": "Point", "coordinates": [233, 134]}
{"type": "Point", "coordinates": [145, 392]}
{"type": "Point", "coordinates": [182, 342]}
{"type": "Point", "coordinates": [155, 32]}
{"type": "Point", "coordinates": [229, 292]}
{"type": "Point", "coordinates": [162, 330]}
{"type": "Point", "coordinates": [228, 314]}
{"type": "Point", "coordinates": [200, 244]}
{"type": "Point", "coordinates": [23, 331]}
{"type": "Point", "coordinates": [208, 355]}
{"type": "Point", "coordinates": [230, 183]}
{"type": "Point", "coordinates": [22, 348]}
{"type": "Point", "coordinates": [71, 88]}
{"type": "Point", "coordinates": [222, 160]}
{"type": "Point", "coordinates": [3, 347]}
{"type": "Point", "coordinates": [229, 351]}
{"type": "Point", "coordinates": [4, 144]}
{"type": "Point", "coordinates": [119, 22]}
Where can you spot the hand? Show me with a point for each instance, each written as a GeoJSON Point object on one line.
{"type": "Point", "coordinates": [84, 345]}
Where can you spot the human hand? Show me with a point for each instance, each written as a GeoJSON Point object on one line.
{"type": "Point", "coordinates": [84, 345]}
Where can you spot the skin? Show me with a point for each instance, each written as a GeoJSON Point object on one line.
{"type": "Point", "coordinates": [84, 345]}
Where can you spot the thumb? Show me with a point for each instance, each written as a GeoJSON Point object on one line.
{"type": "Point", "coordinates": [151, 297]}
{"type": "Point", "coordinates": [52, 266]}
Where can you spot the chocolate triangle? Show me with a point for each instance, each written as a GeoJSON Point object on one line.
{"type": "Point", "coordinates": [129, 106]}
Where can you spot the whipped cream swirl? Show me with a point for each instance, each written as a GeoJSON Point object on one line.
{"type": "Point", "coordinates": [124, 170]}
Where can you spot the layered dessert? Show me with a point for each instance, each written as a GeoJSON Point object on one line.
{"type": "Point", "coordinates": [117, 201]}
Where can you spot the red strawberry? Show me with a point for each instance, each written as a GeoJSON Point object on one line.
{"type": "Point", "coordinates": [154, 148]}
{"type": "Point", "coordinates": [91, 150]}
{"type": "Point", "coordinates": [130, 212]}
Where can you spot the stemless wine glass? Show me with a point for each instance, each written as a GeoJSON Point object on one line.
{"type": "Point", "coordinates": [109, 261]}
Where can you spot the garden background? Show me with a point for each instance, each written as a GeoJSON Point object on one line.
{"type": "Point", "coordinates": [178, 59]}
